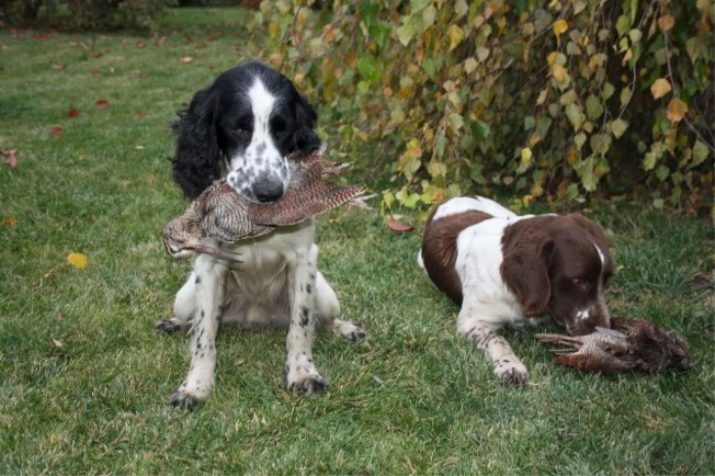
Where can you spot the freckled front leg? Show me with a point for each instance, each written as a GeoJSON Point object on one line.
{"type": "Point", "coordinates": [301, 374]}
{"type": "Point", "coordinates": [209, 288]}
{"type": "Point", "coordinates": [507, 366]}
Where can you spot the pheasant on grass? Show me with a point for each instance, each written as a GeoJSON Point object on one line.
{"type": "Point", "coordinates": [630, 344]}
{"type": "Point", "coordinates": [221, 214]}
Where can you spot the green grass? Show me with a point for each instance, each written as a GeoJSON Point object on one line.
{"type": "Point", "coordinates": [97, 400]}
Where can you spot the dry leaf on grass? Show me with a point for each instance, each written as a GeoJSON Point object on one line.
{"type": "Point", "coordinates": [397, 226]}
{"type": "Point", "coordinates": [10, 158]}
{"type": "Point", "coordinates": [77, 260]}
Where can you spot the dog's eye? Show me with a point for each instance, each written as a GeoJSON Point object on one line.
{"type": "Point", "coordinates": [579, 282]}
{"type": "Point", "coordinates": [278, 125]}
{"type": "Point", "coordinates": [242, 127]}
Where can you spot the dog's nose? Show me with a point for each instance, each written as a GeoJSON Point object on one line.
{"type": "Point", "coordinates": [268, 188]}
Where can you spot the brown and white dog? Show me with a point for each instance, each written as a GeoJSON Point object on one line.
{"type": "Point", "coordinates": [502, 268]}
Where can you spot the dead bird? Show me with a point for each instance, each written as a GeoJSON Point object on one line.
{"type": "Point", "coordinates": [634, 344]}
{"type": "Point", "coordinates": [223, 215]}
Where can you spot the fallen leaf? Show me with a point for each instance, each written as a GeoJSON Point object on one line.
{"type": "Point", "coordinates": [95, 54]}
{"type": "Point", "coordinates": [11, 158]}
{"type": "Point", "coordinates": [77, 260]}
{"type": "Point", "coordinates": [159, 40]}
{"type": "Point", "coordinates": [124, 42]}
{"type": "Point", "coordinates": [73, 112]}
{"type": "Point", "coordinates": [186, 59]}
{"type": "Point", "coordinates": [141, 113]}
{"type": "Point", "coordinates": [57, 131]}
{"type": "Point", "coordinates": [96, 73]}
{"type": "Point", "coordinates": [141, 44]}
{"type": "Point", "coordinates": [58, 66]}
{"type": "Point", "coordinates": [151, 179]}
{"type": "Point", "coordinates": [41, 36]}
{"type": "Point", "coordinates": [397, 226]}
{"type": "Point", "coordinates": [101, 103]}
{"type": "Point", "coordinates": [139, 147]}
{"type": "Point", "coordinates": [8, 221]}
{"type": "Point", "coordinates": [660, 88]}
{"type": "Point", "coordinates": [57, 343]}
{"type": "Point", "coordinates": [676, 110]}
{"type": "Point", "coordinates": [16, 32]}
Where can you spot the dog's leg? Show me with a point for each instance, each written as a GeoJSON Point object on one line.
{"type": "Point", "coordinates": [301, 374]}
{"type": "Point", "coordinates": [184, 308]}
{"type": "Point", "coordinates": [209, 291]}
{"type": "Point", "coordinates": [481, 332]}
{"type": "Point", "coordinates": [327, 308]}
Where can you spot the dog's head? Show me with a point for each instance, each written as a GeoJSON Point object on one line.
{"type": "Point", "coordinates": [559, 265]}
{"type": "Point", "coordinates": [244, 126]}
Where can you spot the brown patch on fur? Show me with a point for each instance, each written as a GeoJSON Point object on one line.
{"type": "Point", "coordinates": [527, 250]}
{"type": "Point", "coordinates": [551, 265]}
{"type": "Point", "coordinates": [439, 249]}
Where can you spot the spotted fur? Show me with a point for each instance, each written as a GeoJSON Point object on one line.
{"type": "Point", "coordinates": [244, 126]}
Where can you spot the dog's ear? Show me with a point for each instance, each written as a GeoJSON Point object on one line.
{"type": "Point", "coordinates": [597, 235]}
{"type": "Point", "coordinates": [197, 162]}
{"type": "Point", "coordinates": [525, 270]}
{"type": "Point", "coordinates": [304, 137]}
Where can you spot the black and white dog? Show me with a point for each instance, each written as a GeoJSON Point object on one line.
{"type": "Point", "coordinates": [243, 127]}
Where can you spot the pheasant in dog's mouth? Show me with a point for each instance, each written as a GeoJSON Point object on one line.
{"type": "Point", "coordinates": [221, 215]}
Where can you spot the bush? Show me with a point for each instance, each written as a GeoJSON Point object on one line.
{"type": "Point", "coordinates": [555, 100]}
{"type": "Point", "coordinates": [84, 15]}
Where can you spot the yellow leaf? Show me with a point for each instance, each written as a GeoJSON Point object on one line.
{"type": "Point", "coordinates": [551, 57]}
{"type": "Point", "coordinates": [660, 88]}
{"type": "Point", "coordinates": [11, 220]}
{"type": "Point", "coordinates": [559, 72]}
{"type": "Point", "coordinates": [456, 35]}
{"type": "Point", "coordinates": [78, 260]}
{"type": "Point", "coordinates": [560, 27]}
{"type": "Point", "coordinates": [676, 110]}
{"type": "Point", "coordinates": [666, 22]}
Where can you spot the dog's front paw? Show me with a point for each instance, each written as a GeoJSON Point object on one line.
{"type": "Point", "coordinates": [188, 399]}
{"type": "Point", "coordinates": [511, 373]}
{"type": "Point", "coordinates": [349, 330]}
{"type": "Point", "coordinates": [305, 380]}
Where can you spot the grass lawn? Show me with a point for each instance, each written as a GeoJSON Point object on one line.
{"type": "Point", "coordinates": [85, 380]}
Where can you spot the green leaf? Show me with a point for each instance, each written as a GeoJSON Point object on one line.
{"type": "Point", "coordinates": [594, 109]}
{"type": "Point", "coordinates": [388, 198]}
{"type": "Point", "coordinates": [405, 33]}
{"type": "Point", "coordinates": [461, 8]}
{"type": "Point", "coordinates": [608, 91]}
{"type": "Point", "coordinates": [573, 112]}
{"type": "Point", "coordinates": [407, 199]}
{"type": "Point", "coordinates": [618, 127]}
{"type": "Point", "coordinates": [649, 161]}
{"type": "Point", "coordinates": [623, 24]}
{"type": "Point", "coordinates": [662, 173]}
{"type": "Point", "coordinates": [428, 64]}
{"type": "Point", "coordinates": [428, 16]}
{"type": "Point", "coordinates": [368, 69]}
{"type": "Point", "coordinates": [700, 153]}
{"type": "Point", "coordinates": [417, 5]}
{"type": "Point", "coordinates": [481, 130]}
{"type": "Point", "coordinates": [437, 169]}
{"type": "Point", "coordinates": [456, 121]}
{"type": "Point", "coordinates": [579, 140]}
